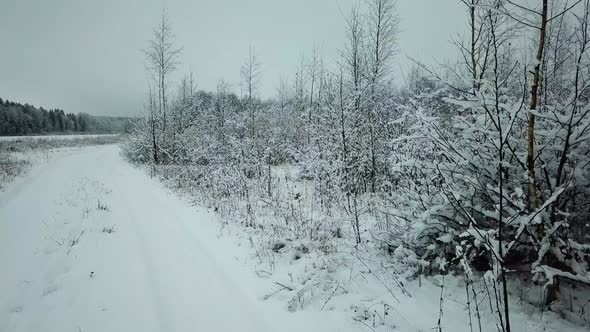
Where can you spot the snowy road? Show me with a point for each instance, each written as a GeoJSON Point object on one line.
{"type": "Point", "coordinates": [88, 243]}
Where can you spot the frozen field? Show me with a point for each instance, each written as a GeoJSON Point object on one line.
{"type": "Point", "coordinates": [53, 137]}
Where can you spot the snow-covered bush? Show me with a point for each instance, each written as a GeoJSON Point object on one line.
{"type": "Point", "coordinates": [470, 171]}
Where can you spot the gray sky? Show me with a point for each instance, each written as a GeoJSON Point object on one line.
{"type": "Point", "coordinates": [85, 55]}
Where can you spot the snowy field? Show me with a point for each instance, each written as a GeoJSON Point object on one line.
{"type": "Point", "coordinates": [90, 243]}
{"type": "Point", "coordinates": [19, 153]}
{"type": "Point", "coordinates": [54, 137]}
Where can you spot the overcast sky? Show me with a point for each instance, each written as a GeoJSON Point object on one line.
{"type": "Point", "coordinates": [85, 55]}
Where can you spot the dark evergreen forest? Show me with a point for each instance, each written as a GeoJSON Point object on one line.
{"type": "Point", "coordinates": [25, 119]}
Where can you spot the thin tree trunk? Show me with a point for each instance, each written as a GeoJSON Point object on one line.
{"type": "Point", "coordinates": [534, 199]}
{"type": "Point", "coordinates": [500, 183]}
{"type": "Point", "coordinates": [473, 45]}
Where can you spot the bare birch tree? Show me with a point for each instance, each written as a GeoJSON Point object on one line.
{"type": "Point", "coordinates": [382, 31]}
{"type": "Point", "coordinates": [162, 57]}
{"type": "Point", "coordinates": [250, 76]}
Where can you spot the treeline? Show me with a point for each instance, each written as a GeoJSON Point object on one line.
{"type": "Point", "coordinates": [25, 119]}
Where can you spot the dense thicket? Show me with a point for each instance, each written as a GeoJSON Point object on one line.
{"type": "Point", "coordinates": [480, 167]}
{"type": "Point", "coordinates": [25, 119]}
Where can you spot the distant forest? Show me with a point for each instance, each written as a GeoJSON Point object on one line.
{"type": "Point", "coordinates": [25, 119]}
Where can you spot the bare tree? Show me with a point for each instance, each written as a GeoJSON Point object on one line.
{"type": "Point", "coordinates": [534, 200]}
{"type": "Point", "coordinates": [162, 58]}
{"type": "Point", "coordinates": [539, 21]}
{"type": "Point", "coordinates": [476, 54]}
{"type": "Point", "coordinates": [152, 122]}
{"type": "Point", "coordinates": [382, 29]}
{"type": "Point", "coordinates": [355, 63]}
{"type": "Point", "coordinates": [313, 67]}
{"type": "Point", "coordinates": [353, 54]}
{"type": "Point", "coordinates": [282, 94]}
{"type": "Point", "coordinates": [221, 107]}
{"type": "Point", "coordinates": [250, 74]}
{"type": "Point", "coordinates": [382, 33]}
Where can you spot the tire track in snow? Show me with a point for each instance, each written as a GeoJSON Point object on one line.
{"type": "Point", "coordinates": [190, 288]}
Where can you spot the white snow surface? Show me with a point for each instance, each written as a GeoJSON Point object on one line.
{"type": "Point", "coordinates": [163, 267]}
{"type": "Point", "coordinates": [55, 137]}
{"type": "Point", "coordinates": [90, 243]}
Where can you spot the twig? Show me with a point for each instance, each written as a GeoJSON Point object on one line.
{"type": "Point", "coordinates": [74, 242]}
{"type": "Point", "coordinates": [329, 298]}
{"type": "Point", "coordinates": [365, 324]}
{"type": "Point", "coordinates": [440, 312]}
{"type": "Point", "coordinates": [287, 287]}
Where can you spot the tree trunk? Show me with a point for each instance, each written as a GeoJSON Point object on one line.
{"type": "Point", "coordinates": [534, 199]}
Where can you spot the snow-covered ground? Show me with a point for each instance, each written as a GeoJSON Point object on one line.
{"type": "Point", "coordinates": [18, 153]}
{"type": "Point", "coordinates": [54, 137]}
{"type": "Point", "coordinates": [90, 243]}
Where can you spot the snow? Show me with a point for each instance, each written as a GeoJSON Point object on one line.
{"type": "Point", "coordinates": [162, 269]}
{"type": "Point", "coordinates": [90, 243]}
{"type": "Point", "coordinates": [54, 137]}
